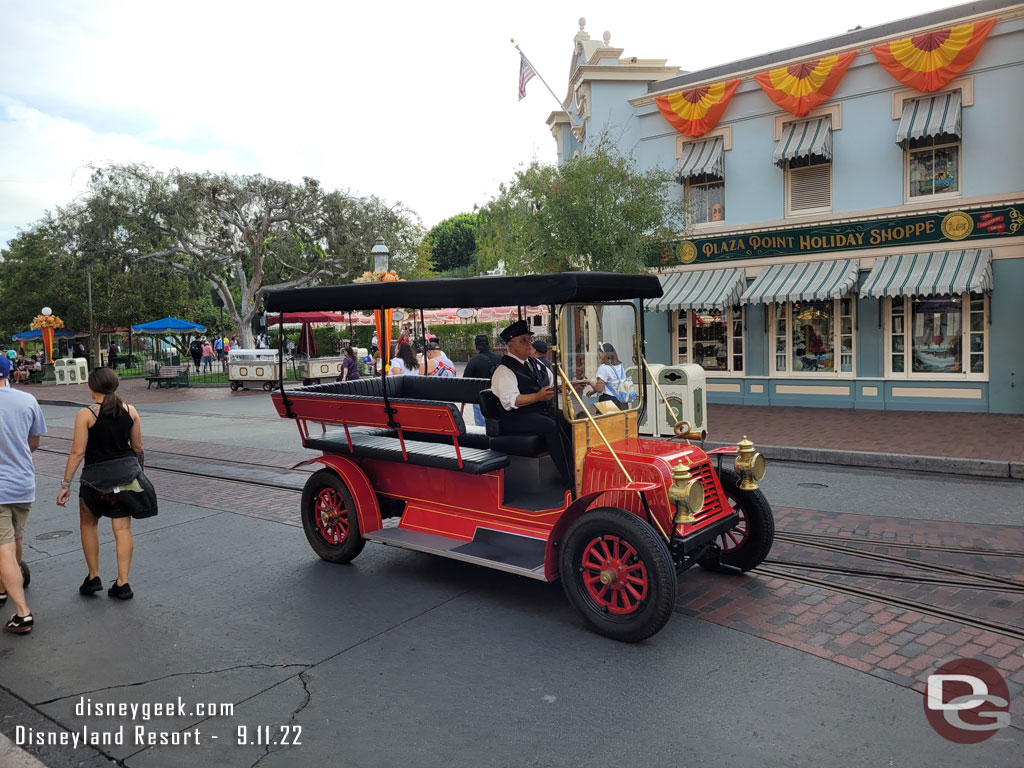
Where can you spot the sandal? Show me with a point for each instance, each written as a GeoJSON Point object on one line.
{"type": "Point", "coordinates": [20, 625]}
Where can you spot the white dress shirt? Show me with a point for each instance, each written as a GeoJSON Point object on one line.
{"type": "Point", "coordinates": [505, 385]}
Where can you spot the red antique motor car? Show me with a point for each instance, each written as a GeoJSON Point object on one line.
{"type": "Point", "coordinates": [641, 510]}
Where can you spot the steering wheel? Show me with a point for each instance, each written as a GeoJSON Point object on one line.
{"type": "Point", "coordinates": [682, 428]}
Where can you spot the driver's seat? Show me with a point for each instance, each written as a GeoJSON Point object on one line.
{"type": "Point", "coordinates": [514, 445]}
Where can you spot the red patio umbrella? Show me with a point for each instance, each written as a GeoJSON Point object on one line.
{"type": "Point", "coordinates": [307, 344]}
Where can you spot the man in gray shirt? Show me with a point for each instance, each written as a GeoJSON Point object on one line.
{"type": "Point", "coordinates": [21, 424]}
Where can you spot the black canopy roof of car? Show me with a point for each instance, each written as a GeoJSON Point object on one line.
{"type": "Point", "coordinates": [557, 288]}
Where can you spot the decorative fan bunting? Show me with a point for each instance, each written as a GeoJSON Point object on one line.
{"type": "Point", "coordinates": [799, 88]}
{"type": "Point", "coordinates": [930, 61]}
{"type": "Point", "coordinates": [695, 112]}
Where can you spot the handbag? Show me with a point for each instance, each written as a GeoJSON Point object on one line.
{"type": "Point", "coordinates": [122, 483]}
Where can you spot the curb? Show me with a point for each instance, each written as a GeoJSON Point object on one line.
{"type": "Point", "coordinates": [940, 464]}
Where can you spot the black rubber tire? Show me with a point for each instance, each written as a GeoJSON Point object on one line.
{"type": "Point", "coordinates": [760, 523]}
{"type": "Point", "coordinates": [655, 610]}
{"type": "Point", "coordinates": [26, 575]}
{"type": "Point", "coordinates": [235, 386]}
{"type": "Point", "coordinates": [268, 386]}
{"type": "Point", "coordinates": [352, 544]}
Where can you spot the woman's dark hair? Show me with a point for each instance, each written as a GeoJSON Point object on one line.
{"type": "Point", "coordinates": [103, 381]}
{"type": "Point", "coordinates": [349, 351]}
{"type": "Point", "coordinates": [482, 343]}
{"type": "Point", "coordinates": [612, 355]}
{"type": "Point", "coordinates": [405, 354]}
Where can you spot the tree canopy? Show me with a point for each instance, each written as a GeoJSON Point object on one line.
{"type": "Point", "coordinates": [594, 212]}
{"type": "Point", "coordinates": [453, 242]}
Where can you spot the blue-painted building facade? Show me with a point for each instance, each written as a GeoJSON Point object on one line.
{"type": "Point", "coordinates": [868, 254]}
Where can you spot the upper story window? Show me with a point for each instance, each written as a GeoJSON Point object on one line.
{"type": "Point", "coordinates": [804, 152]}
{"type": "Point", "coordinates": [701, 171]}
{"type": "Point", "coordinates": [929, 135]}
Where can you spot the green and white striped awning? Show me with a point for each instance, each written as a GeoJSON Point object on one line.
{"type": "Point", "coordinates": [808, 138]}
{"type": "Point", "coordinates": [938, 273]}
{"type": "Point", "coordinates": [700, 158]}
{"type": "Point", "coordinates": [700, 289]}
{"type": "Point", "coordinates": [811, 281]}
{"type": "Point", "coordinates": [930, 117]}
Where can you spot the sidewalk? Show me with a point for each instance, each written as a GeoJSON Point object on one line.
{"type": "Point", "coordinates": [977, 444]}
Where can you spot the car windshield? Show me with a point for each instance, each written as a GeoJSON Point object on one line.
{"type": "Point", "coordinates": [599, 355]}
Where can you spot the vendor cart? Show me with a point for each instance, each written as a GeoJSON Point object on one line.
{"type": "Point", "coordinates": [250, 366]}
{"type": "Point", "coordinates": [313, 370]}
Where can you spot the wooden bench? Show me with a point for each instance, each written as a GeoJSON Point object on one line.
{"type": "Point", "coordinates": [169, 376]}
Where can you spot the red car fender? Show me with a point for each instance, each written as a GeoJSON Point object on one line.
{"type": "Point", "coordinates": [367, 508]}
{"type": "Point", "coordinates": [572, 513]}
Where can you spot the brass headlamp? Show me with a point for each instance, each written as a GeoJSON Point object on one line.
{"type": "Point", "coordinates": [749, 464]}
{"type": "Point", "coordinates": [687, 494]}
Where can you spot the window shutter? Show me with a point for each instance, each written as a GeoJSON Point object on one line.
{"type": "Point", "coordinates": [810, 188]}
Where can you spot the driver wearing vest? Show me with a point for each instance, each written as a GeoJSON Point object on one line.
{"type": "Point", "coordinates": [525, 388]}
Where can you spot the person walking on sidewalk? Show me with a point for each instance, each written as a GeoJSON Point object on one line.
{"type": "Point", "coordinates": [21, 424]}
{"type": "Point", "coordinates": [105, 432]}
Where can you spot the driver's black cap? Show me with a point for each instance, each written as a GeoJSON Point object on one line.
{"type": "Point", "coordinates": [518, 328]}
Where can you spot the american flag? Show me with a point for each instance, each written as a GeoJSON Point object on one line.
{"type": "Point", "coordinates": [526, 74]}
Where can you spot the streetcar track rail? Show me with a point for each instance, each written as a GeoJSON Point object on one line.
{"type": "Point", "coordinates": [852, 552]}
{"type": "Point", "coordinates": [980, 583]}
{"type": "Point", "coordinates": [795, 535]}
{"type": "Point", "coordinates": [910, 605]}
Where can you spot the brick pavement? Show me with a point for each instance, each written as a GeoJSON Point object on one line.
{"type": "Point", "coordinates": [919, 433]}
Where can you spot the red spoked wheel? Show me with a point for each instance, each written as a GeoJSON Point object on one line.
{"type": "Point", "coordinates": [748, 544]}
{"type": "Point", "coordinates": [614, 575]}
{"type": "Point", "coordinates": [329, 518]}
{"type": "Point", "coordinates": [618, 573]}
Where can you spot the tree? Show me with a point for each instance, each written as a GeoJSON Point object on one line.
{"type": "Point", "coordinates": [453, 242]}
{"type": "Point", "coordinates": [38, 269]}
{"type": "Point", "coordinates": [594, 212]}
{"type": "Point", "coordinates": [244, 235]}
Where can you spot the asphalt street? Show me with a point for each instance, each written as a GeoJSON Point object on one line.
{"type": "Point", "coordinates": [402, 658]}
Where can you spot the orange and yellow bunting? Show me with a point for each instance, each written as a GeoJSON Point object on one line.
{"type": "Point", "coordinates": [930, 61]}
{"type": "Point", "coordinates": [799, 88]}
{"type": "Point", "coordinates": [695, 112]}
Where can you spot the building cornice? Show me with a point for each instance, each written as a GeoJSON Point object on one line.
{"type": "Point", "coordinates": [746, 69]}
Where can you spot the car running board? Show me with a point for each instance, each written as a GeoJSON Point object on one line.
{"type": "Point", "coordinates": [502, 551]}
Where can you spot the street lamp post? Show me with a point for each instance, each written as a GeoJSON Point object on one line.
{"type": "Point", "coordinates": [380, 256]}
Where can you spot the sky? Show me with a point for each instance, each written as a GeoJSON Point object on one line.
{"type": "Point", "coordinates": [410, 101]}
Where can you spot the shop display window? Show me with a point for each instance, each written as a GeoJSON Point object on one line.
{"type": "Point", "coordinates": [711, 338]}
{"type": "Point", "coordinates": [705, 199]}
{"type": "Point", "coordinates": [933, 167]}
{"type": "Point", "coordinates": [814, 337]}
{"type": "Point", "coordinates": [936, 336]}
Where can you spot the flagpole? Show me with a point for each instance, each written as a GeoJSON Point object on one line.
{"type": "Point", "coordinates": [539, 77]}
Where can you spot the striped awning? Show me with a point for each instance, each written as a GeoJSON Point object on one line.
{"type": "Point", "coordinates": [811, 281]}
{"type": "Point", "coordinates": [699, 158]}
{"type": "Point", "coordinates": [807, 138]}
{"type": "Point", "coordinates": [700, 289]}
{"type": "Point", "coordinates": [930, 117]}
{"type": "Point", "coordinates": [938, 273]}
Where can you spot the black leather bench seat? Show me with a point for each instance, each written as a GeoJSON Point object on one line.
{"type": "Point", "coordinates": [468, 440]}
{"type": "Point", "coordinates": [475, 461]}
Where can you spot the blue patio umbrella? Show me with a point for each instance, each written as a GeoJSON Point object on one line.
{"type": "Point", "coordinates": [38, 335]}
{"type": "Point", "coordinates": [168, 326]}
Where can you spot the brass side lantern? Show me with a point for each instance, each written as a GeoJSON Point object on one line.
{"type": "Point", "coordinates": [687, 494]}
{"type": "Point", "coordinates": [750, 465]}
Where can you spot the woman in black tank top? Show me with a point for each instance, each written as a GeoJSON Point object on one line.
{"type": "Point", "coordinates": [105, 431]}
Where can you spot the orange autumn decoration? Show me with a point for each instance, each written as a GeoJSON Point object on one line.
{"type": "Point", "coordinates": [930, 61]}
{"type": "Point", "coordinates": [46, 325]}
{"type": "Point", "coordinates": [696, 111]}
{"type": "Point", "coordinates": [799, 88]}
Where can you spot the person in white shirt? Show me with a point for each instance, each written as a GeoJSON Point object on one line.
{"type": "Point", "coordinates": [611, 375]}
{"type": "Point", "coordinates": [404, 362]}
{"type": "Point", "coordinates": [526, 390]}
